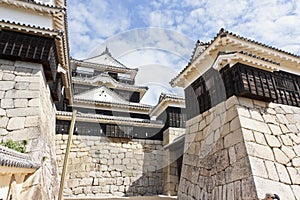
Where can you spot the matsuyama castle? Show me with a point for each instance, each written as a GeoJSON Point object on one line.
{"type": "Point", "coordinates": [108, 102]}
{"type": "Point", "coordinates": [235, 135]}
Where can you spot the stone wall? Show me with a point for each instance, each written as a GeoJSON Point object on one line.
{"type": "Point", "coordinates": [28, 113]}
{"type": "Point", "coordinates": [242, 149]}
{"type": "Point", "coordinates": [172, 154]}
{"type": "Point", "coordinates": [102, 166]}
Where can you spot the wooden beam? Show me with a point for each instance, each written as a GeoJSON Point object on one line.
{"type": "Point", "coordinates": [64, 170]}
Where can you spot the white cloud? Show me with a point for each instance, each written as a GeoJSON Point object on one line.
{"type": "Point", "coordinates": [91, 22]}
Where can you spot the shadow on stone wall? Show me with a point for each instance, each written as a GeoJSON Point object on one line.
{"type": "Point", "coordinates": [151, 181]}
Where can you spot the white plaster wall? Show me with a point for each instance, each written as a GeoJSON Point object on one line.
{"type": "Point", "coordinates": [25, 17]}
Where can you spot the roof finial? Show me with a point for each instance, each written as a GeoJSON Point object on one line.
{"type": "Point", "coordinates": [106, 51]}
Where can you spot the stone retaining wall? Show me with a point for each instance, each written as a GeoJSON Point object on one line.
{"type": "Point", "coordinates": [28, 113]}
{"type": "Point", "coordinates": [172, 154]}
{"type": "Point", "coordinates": [242, 149]}
{"type": "Point", "coordinates": [102, 166]}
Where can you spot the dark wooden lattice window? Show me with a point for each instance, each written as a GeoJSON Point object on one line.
{"type": "Point", "coordinates": [113, 130]}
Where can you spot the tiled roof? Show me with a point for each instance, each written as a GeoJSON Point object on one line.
{"type": "Point", "coordinates": [111, 118]}
{"type": "Point", "coordinates": [11, 158]}
{"type": "Point", "coordinates": [32, 2]}
{"type": "Point", "coordinates": [166, 100]}
{"type": "Point", "coordinates": [88, 63]}
{"type": "Point", "coordinates": [105, 78]}
{"type": "Point", "coordinates": [198, 45]}
{"type": "Point", "coordinates": [129, 104]}
{"type": "Point", "coordinates": [223, 33]}
{"type": "Point", "coordinates": [106, 58]}
{"type": "Point", "coordinates": [171, 97]}
{"type": "Point", "coordinates": [258, 57]}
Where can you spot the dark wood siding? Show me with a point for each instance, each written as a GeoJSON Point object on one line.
{"type": "Point", "coordinates": [109, 130]}
{"type": "Point", "coordinates": [214, 87]}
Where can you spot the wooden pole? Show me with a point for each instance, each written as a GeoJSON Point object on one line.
{"type": "Point", "coordinates": [65, 166]}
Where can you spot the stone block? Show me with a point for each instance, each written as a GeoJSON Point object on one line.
{"type": "Point", "coordinates": [2, 93]}
{"type": "Point", "coordinates": [8, 77]}
{"type": "Point", "coordinates": [288, 151]}
{"type": "Point", "coordinates": [295, 138]}
{"type": "Point", "coordinates": [275, 129]}
{"type": "Point", "coordinates": [16, 123]}
{"type": "Point", "coordinates": [231, 102]}
{"type": "Point", "coordinates": [243, 111]}
{"type": "Point", "coordinates": [254, 125]}
{"type": "Point", "coordinates": [2, 112]}
{"type": "Point", "coordinates": [3, 131]}
{"type": "Point", "coordinates": [230, 191]}
{"type": "Point", "coordinates": [272, 140]}
{"type": "Point", "coordinates": [260, 151]}
{"type": "Point", "coordinates": [233, 138]}
{"type": "Point", "coordinates": [232, 155]}
{"type": "Point", "coordinates": [294, 175]}
{"type": "Point", "coordinates": [240, 150]}
{"type": "Point", "coordinates": [283, 173]}
{"type": "Point", "coordinates": [255, 114]}
{"type": "Point", "coordinates": [258, 167]}
{"type": "Point", "coordinates": [248, 189]}
{"type": "Point", "coordinates": [293, 128]}
{"type": "Point", "coordinates": [7, 68]}
{"type": "Point", "coordinates": [194, 128]}
{"type": "Point", "coordinates": [22, 112]}
{"type": "Point", "coordinates": [271, 111]}
{"type": "Point", "coordinates": [238, 170]}
{"type": "Point", "coordinates": [246, 102]}
{"type": "Point", "coordinates": [259, 138]}
{"type": "Point", "coordinates": [22, 94]}
{"type": "Point", "coordinates": [7, 85]}
{"type": "Point", "coordinates": [271, 170]}
{"type": "Point", "coordinates": [259, 104]}
{"type": "Point", "coordinates": [235, 124]}
{"type": "Point", "coordinates": [34, 86]}
{"type": "Point", "coordinates": [20, 103]}
{"type": "Point", "coordinates": [282, 119]}
{"type": "Point", "coordinates": [231, 114]}
{"type": "Point", "coordinates": [284, 129]}
{"type": "Point", "coordinates": [296, 162]}
{"type": "Point", "coordinates": [7, 103]}
{"type": "Point", "coordinates": [3, 122]}
{"type": "Point", "coordinates": [268, 118]}
{"type": "Point", "coordinates": [21, 86]}
{"type": "Point", "coordinates": [248, 135]}
{"type": "Point", "coordinates": [296, 190]}
{"type": "Point", "coordinates": [220, 108]}
{"type": "Point", "coordinates": [31, 121]}
{"type": "Point", "coordinates": [28, 79]}
{"type": "Point", "coordinates": [34, 102]}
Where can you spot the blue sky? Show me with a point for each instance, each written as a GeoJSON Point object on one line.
{"type": "Point", "coordinates": [160, 34]}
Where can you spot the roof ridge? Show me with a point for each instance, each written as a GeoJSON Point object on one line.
{"type": "Point", "coordinates": [107, 52]}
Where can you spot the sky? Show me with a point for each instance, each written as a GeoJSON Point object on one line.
{"type": "Point", "coordinates": [158, 36]}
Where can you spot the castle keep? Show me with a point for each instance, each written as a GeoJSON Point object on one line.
{"type": "Point", "coordinates": [235, 135]}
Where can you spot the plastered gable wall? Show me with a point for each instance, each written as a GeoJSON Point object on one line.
{"type": "Point", "coordinates": [242, 149]}
{"type": "Point", "coordinates": [28, 113]}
